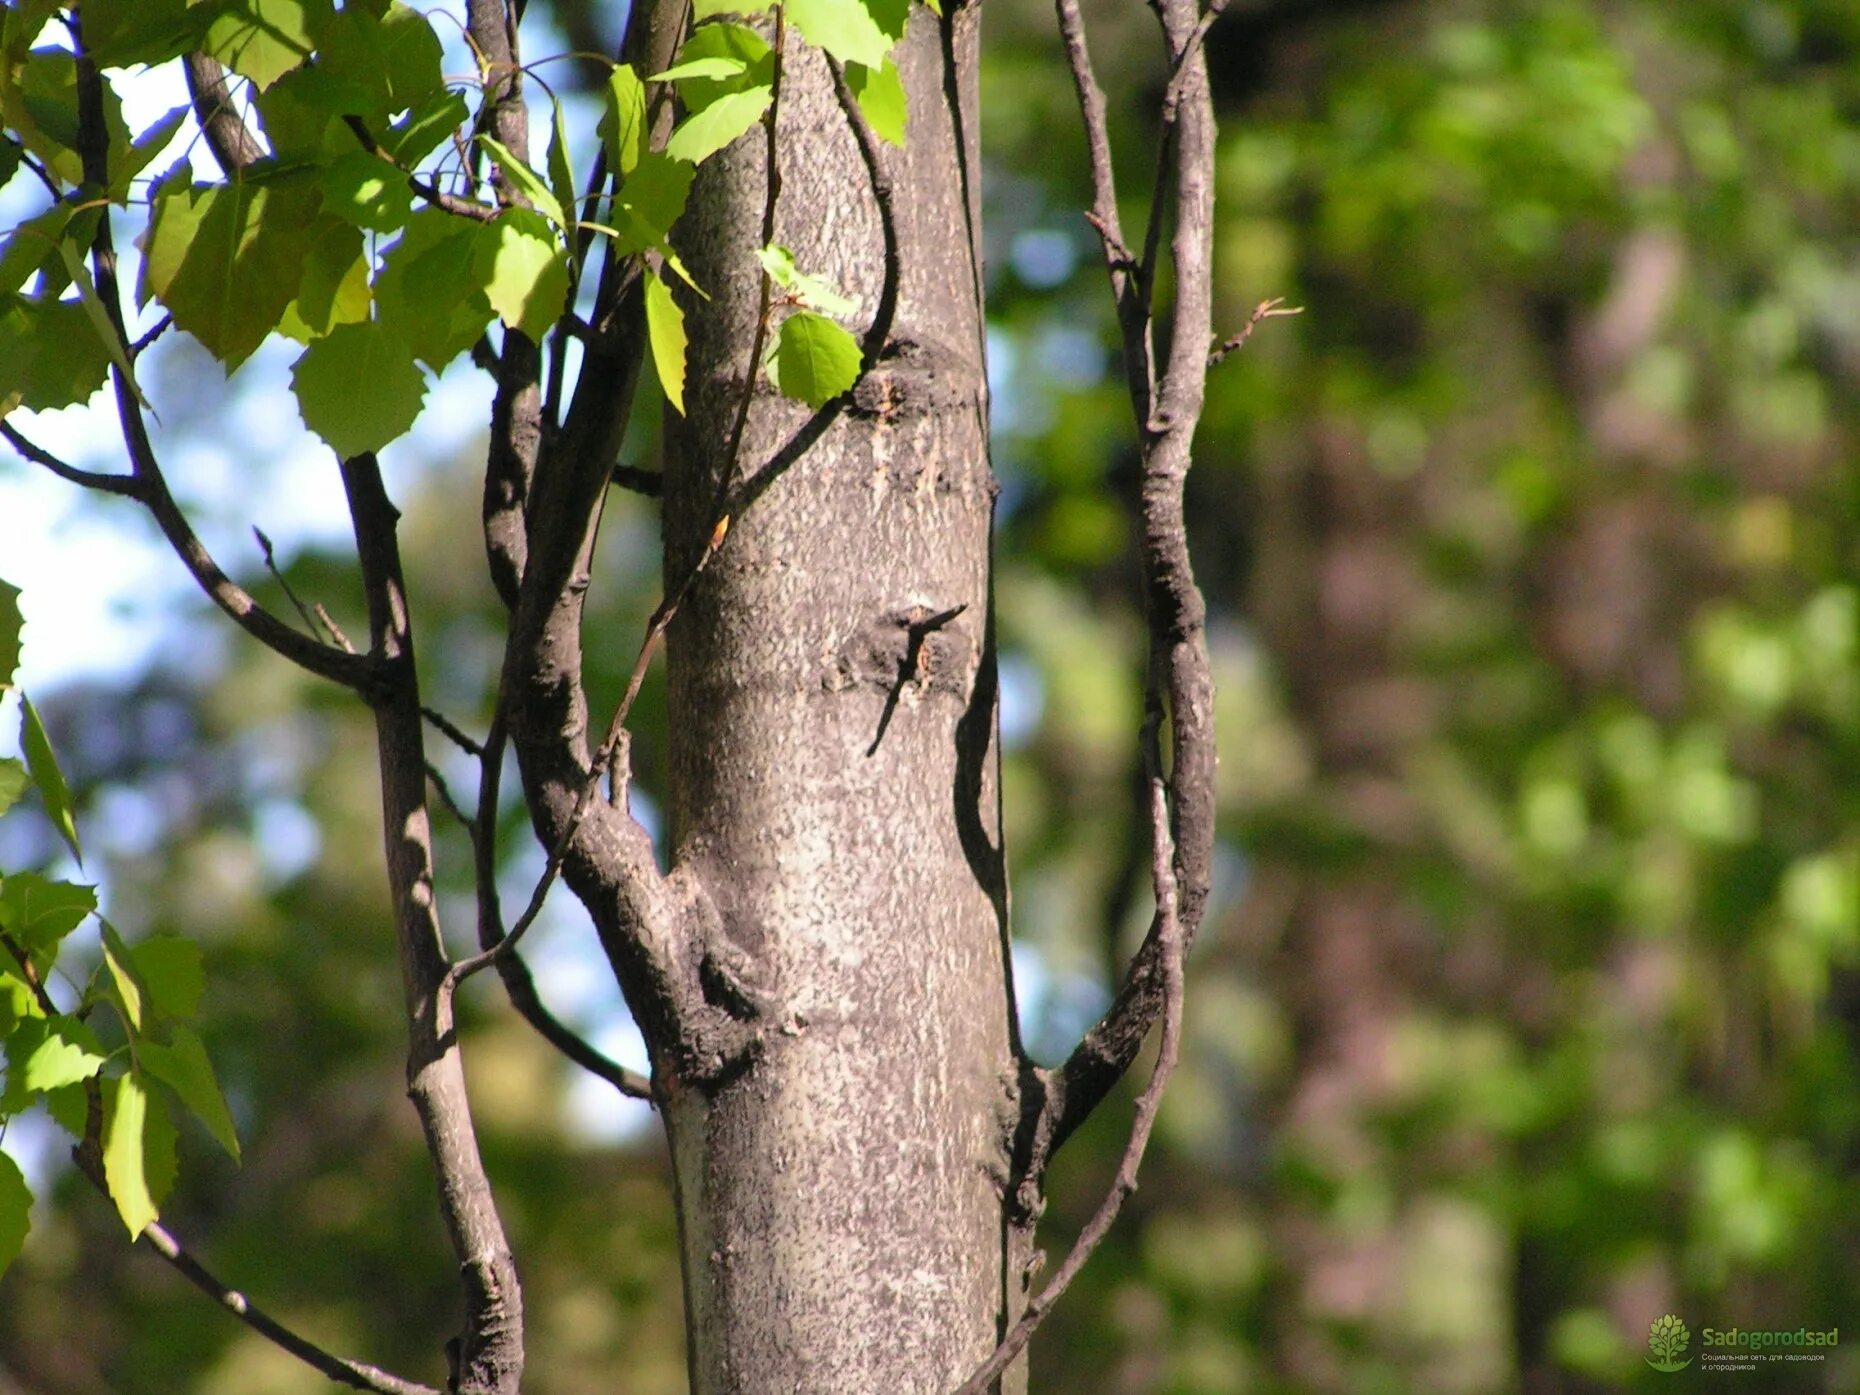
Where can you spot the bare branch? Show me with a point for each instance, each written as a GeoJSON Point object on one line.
{"type": "Point", "coordinates": [271, 565]}
{"type": "Point", "coordinates": [447, 728]}
{"type": "Point", "coordinates": [1162, 872]}
{"type": "Point", "coordinates": [491, 1345]}
{"type": "Point", "coordinates": [1266, 310]}
{"type": "Point", "coordinates": [125, 485]}
{"type": "Point", "coordinates": [232, 142]}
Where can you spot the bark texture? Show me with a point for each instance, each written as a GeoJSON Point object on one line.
{"type": "Point", "coordinates": [840, 1188]}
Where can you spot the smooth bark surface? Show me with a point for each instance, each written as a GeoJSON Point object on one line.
{"type": "Point", "coordinates": [841, 1188]}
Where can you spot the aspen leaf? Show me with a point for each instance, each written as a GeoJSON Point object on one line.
{"type": "Point", "coordinates": [264, 39]}
{"type": "Point", "coordinates": [562, 171]}
{"type": "Point", "coordinates": [524, 271]}
{"type": "Point", "coordinates": [363, 189]}
{"type": "Point", "coordinates": [120, 33]}
{"type": "Point", "coordinates": [10, 623]}
{"type": "Point", "coordinates": [623, 119]}
{"type": "Point", "coordinates": [430, 291]}
{"type": "Point", "coordinates": [880, 93]}
{"type": "Point", "coordinates": [125, 1160]}
{"type": "Point", "coordinates": [15, 1211]}
{"type": "Point", "coordinates": [183, 1067]}
{"type": "Point", "coordinates": [334, 289]}
{"type": "Point", "coordinates": [846, 29]}
{"type": "Point", "coordinates": [39, 912]}
{"type": "Point", "coordinates": [815, 359]}
{"type": "Point", "coordinates": [665, 328]}
{"type": "Point", "coordinates": [123, 975]}
{"type": "Point", "coordinates": [225, 259]}
{"type": "Point", "coordinates": [358, 387]}
{"type": "Point", "coordinates": [735, 43]}
{"type": "Point", "coordinates": [50, 355]}
{"type": "Point", "coordinates": [721, 67]}
{"type": "Point", "coordinates": [525, 180]}
{"type": "Point", "coordinates": [50, 1052]}
{"type": "Point", "coordinates": [49, 779]}
{"type": "Point", "coordinates": [814, 292]}
{"type": "Point", "coordinates": [13, 783]}
{"type": "Point", "coordinates": [169, 967]}
{"type": "Point", "coordinates": [704, 133]}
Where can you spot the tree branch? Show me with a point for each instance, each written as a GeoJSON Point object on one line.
{"type": "Point", "coordinates": [232, 142]}
{"type": "Point", "coordinates": [490, 1360]}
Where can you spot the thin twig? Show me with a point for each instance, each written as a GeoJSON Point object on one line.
{"type": "Point", "coordinates": [125, 485]}
{"type": "Point", "coordinates": [437, 779]}
{"type": "Point", "coordinates": [271, 565]}
{"type": "Point", "coordinates": [438, 198]}
{"type": "Point", "coordinates": [451, 732]}
{"type": "Point", "coordinates": [337, 637]}
{"type": "Point", "coordinates": [1162, 873]}
{"type": "Point", "coordinates": [1266, 310]}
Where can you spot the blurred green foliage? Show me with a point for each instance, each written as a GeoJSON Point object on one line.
{"type": "Point", "coordinates": [1528, 1010]}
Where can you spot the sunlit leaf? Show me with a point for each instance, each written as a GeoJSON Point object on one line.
{"type": "Point", "coordinates": [46, 775]}
{"type": "Point", "coordinates": [264, 39]}
{"type": "Point", "coordinates": [363, 189]}
{"type": "Point", "coordinates": [623, 120]}
{"type": "Point", "coordinates": [813, 292]}
{"type": "Point", "coordinates": [815, 359]}
{"type": "Point", "coordinates": [125, 1152]}
{"type": "Point", "coordinates": [50, 355]}
{"type": "Point", "coordinates": [430, 291]}
{"type": "Point", "coordinates": [39, 912]}
{"type": "Point", "coordinates": [123, 975]}
{"type": "Point", "coordinates": [562, 170]}
{"type": "Point", "coordinates": [358, 387]}
{"type": "Point", "coordinates": [737, 43]}
{"type": "Point", "coordinates": [50, 1052]}
{"type": "Point", "coordinates": [704, 133]}
{"type": "Point", "coordinates": [182, 1065]}
{"type": "Point", "coordinates": [15, 1211]}
{"type": "Point", "coordinates": [525, 180]}
{"type": "Point", "coordinates": [880, 92]}
{"type": "Point", "coordinates": [524, 271]}
{"type": "Point", "coordinates": [847, 29]}
{"type": "Point", "coordinates": [334, 289]}
{"type": "Point", "coordinates": [665, 328]}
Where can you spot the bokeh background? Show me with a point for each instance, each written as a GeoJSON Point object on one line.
{"type": "Point", "coordinates": [1528, 1007]}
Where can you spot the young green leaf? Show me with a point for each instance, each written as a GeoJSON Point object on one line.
{"type": "Point", "coordinates": [415, 135]}
{"type": "Point", "coordinates": [813, 292]}
{"type": "Point", "coordinates": [15, 1211]}
{"type": "Point", "coordinates": [562, 171]}
{"type": "Point", "coordinates": [665, 328]}
{"type": "Point", "coordinates": [334, 289]}
{"type": "Point", "coordinates": [387, 64]}
{"type": "Point", "coordinates": [99, 317]}
{"type": "Point", "coordinates": [122, 33]}
{"type": "Point", "coordinates": [815, 360]}
{"type": "Point", "coordinates": [183, 1067]}
{"type": "Point", "coordinates": [10, 622]}
{"type": "Point", "coordinates": [169, 967]}
{"type": "Point", "coordinates": [358, 387]}
{"type": "Point", "coordinates": [702, 10]}
{"type": "Point", "coordinates": [50, 780]}
{"type": "Point", "coordinates": [525, 180]}
{"type": "Point", "coordinates": [704, 133]}
{"type": "Point", "coordinates": [129, 994]}
{"type": "Point", "coordinates": [50, 1052]}
{"type": "Point", "coordinates": [264, 39]}
{"type": "Point", "coordinates": [721, 67]}
{"type": "Point", "coordinates": [39, 912]}
{"type": "Point", "coordinates": [13, 783]}
{"type": "Point", "coordinates": [50, 355]}
{"type": "Point", "coordinates": [150, 144]}
{"type": "Point", "coordinates": [880, 93]}
{"type": "Point", "coordinates": [623, 120]}
{"type": "Point", "coordinates": [735, 42]}
{"type": "Point", "coordinates": [125, 1160]}
{"type": "Point", "coordinates": [225, 258]}
{"type": "Point", "coordinates": [524, 271]}
{"type": "Point", "coordinates": [846, 29]}
{"type": "Point", "coordinates": [430, 291]}
{"type": "Point", "coordinates": [363, 189]}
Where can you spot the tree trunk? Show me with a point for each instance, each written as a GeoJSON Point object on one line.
{"type": "Point", "coordinates": [840, 1194]}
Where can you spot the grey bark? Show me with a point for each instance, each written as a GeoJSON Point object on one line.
{"type": "Point", "coordinates": [841, 1189]}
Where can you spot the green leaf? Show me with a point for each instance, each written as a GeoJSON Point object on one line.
{"type": "Point", "coordinates": [39, 912]}
{"type": "Point", "coordinates": [32, 248]}
{"type": "Point", "coordinates": [183, 1067]}
{"type": "Point", "coordinates": [847, 29]}
{"type": "Point", "coordinates": [69, 1108]}
{"type": "Point", "coordinates": [38, 104]}
{"type": "Point", "coordinates": [123, 975]}
{"type": "Point", "coordinates": [721, 66]}
{"type": "Point", "coordinates": [358, 387]}
{"type": "Point", "coordinates": [10, 622]}
{"type": "Point", "coordinates": [121, 33]}
{"type": "Point", "coordinates": [562, 171]}
{"type": "Point", "coordinates": [264, 39]}
{"type": "Point", "coordinates": [137, 158]}
{"type": "Point", "coordinates": [225, 259]}
{"type": "Point", "coordinates": [815, 359]}
{"type": "Point", "coordinates": [655, 194]}
{"type": "Point", "coordinates": [13, 782]}
{"type": "Point", "coordinates": [169, 967]}
{"type": "Point", "coordinates": [525, 180]}
{"type": "Point", "coordinates": [334, 289]}
{"type": "Point", "coordinates": [880, 92]}
{"type": "Point", "coordinates": [429, 291]}
{"type": "Point", "coordinates": [810, 291]}
{"type": "Point", "coordinates": [710, 9]}
{"type": "Point", "coordinates": [391, 63]}
{"type": "Point", "coordinates": [50, 355]}
{"type": "Point", "coordinates": [623, 120]}
{"type": "Point", "coordinates": [99, 317]}
{"type": "Point", "coordinates": [704, 133]}
{"type": "Point", "coordinates": [125, 1151]}
{"type": "Point", "coordinates": [665, 328]}
{"type": "Point", "coordinates": [15, 1211]}
{"type": "Point", "coordinates": [50, 780]}
{"type": "Point", "coordinates": [363, 189]}
{"type": "Point", "coordinates": [426, 127]}
{"type": "Point", "coordinates": [732, 41]}
{"type": "Point", "coordinates": [524, 271]}
{"type": "Point", "coordinates": [50, 1052]}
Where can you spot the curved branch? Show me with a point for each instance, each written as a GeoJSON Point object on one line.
{"type": "Point", "coordinates": [232, 142]}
